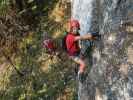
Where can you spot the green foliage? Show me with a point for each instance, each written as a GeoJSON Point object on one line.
{"type": "Point", "coordinates": [36, 84]}
{"type": "Point", "coordinates": [4, 3]}
{"type": "Point", "coordinates": [3, 7]}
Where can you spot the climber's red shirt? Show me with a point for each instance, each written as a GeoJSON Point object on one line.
{"type": "Point", "coordinates": [72, 45]}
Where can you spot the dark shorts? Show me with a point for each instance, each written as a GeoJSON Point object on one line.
{"type": "Point", "coordinates": [75, 57]}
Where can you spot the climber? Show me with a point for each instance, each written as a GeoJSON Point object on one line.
{"type": "Point", "coordinates": [50, 46]}
{"type": "Point", "coordinates": [73, 48]}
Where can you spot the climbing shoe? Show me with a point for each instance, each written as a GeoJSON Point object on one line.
{"type": "Point", "coordinates": [81, 77]}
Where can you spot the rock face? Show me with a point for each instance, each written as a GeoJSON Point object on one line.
{"type": "Point", "coordinates": [110, 76]}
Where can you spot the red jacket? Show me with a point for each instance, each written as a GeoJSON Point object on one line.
{"type": "Point", "coordinates": [72, 46]}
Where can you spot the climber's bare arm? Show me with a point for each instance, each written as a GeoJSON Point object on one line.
{"type": "Point", "coordinates": [84, 37]}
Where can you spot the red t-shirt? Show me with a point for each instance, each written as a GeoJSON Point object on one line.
{"type": "Point", "coordinates": [72, 46]}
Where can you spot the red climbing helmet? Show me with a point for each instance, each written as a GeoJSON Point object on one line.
{"type": "Point", "coordinates": [74, 23]}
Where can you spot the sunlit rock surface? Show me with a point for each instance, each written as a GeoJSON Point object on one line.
{"type": "Point", "coordinates": [110, 75]}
